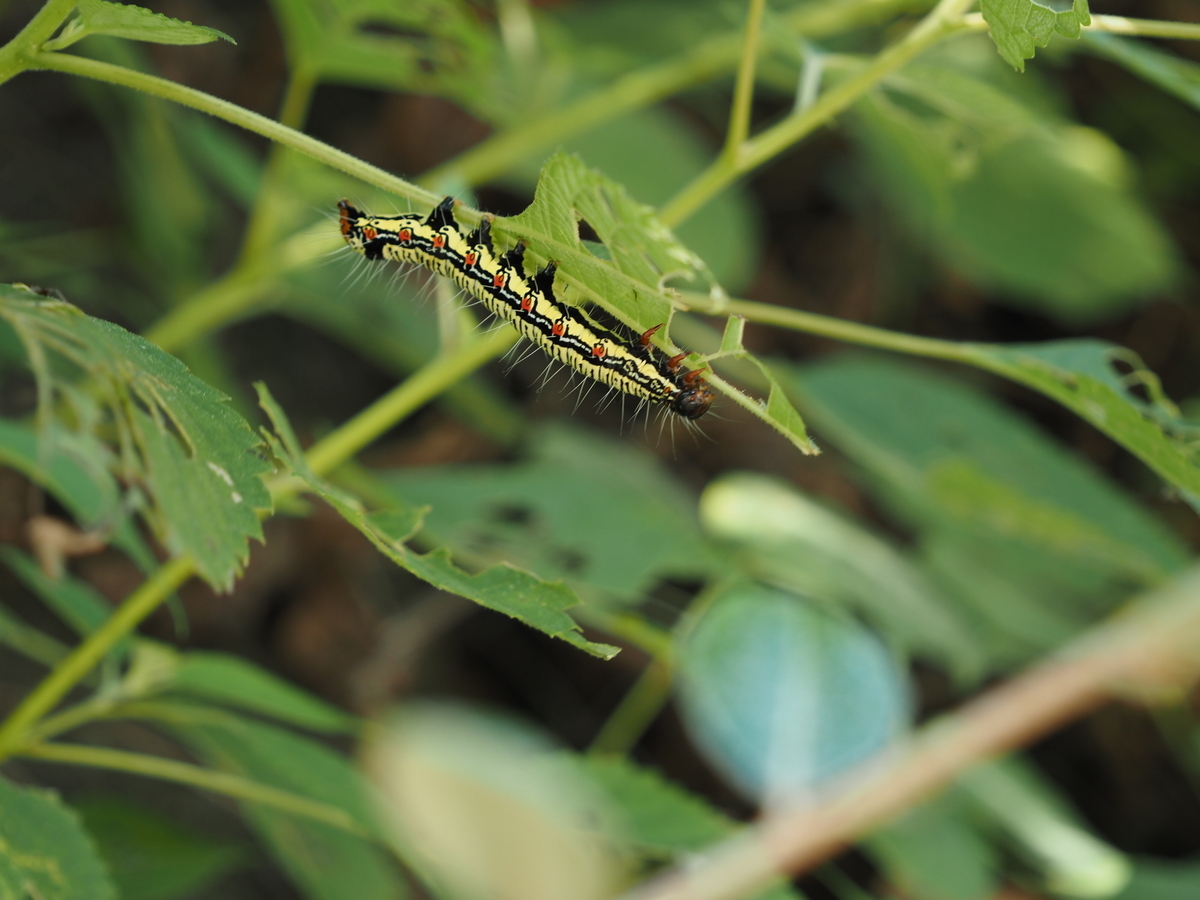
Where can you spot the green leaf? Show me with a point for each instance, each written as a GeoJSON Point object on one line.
{"type": "Point", "coordinates": [483, 807]}
{"type": "Point", "coordinates": [424, 46]}
{"type": "Point", "coordinates": [935, 852]}
{"type": "Point", "coordinates": [229, 680]}
{"type": "Point", "coordinates": [153, 856]}
{"type": "Point", "coordinates": [133, 23]}
{"type": "Point", "coordinates": [29, 641]}
{"type": "Point", "coordinates": [1171, 73]}
{"type": "Point", "coordinates": [76, 602]}
{"type": "Point", "coordinates": [189, 450]}
{"type": "Point", "coordinates": [786, 539]}
{"type": "Point", "coordinates": [45, 854]}
{"type": "Point", "coordinates": [1038, 211]}
{"type": "Point", "coordinates": [654, 154]}
{"type": "Point", "coordinates": [780, 695]}
{"type": "Point", "coordinates": [73, 466]}
{"type": "Point", "coordinates": [1031, 543]}
{"type": "Point", "coordinates": [1046, 831]}
{"type": "Point", "coordinates": [644, 254]}
{"type": "Point", "coordinates": [327, 863]}
{"type": "Point", "coordinates": [1019, 26]}
{"type": "Point", "coordinates": [504, 588]}
{"type": "Point", "coordinates": [658, 817]}
{"type": "Point", "coordinates": [1080, 375]}
{"type": "Point", "coordinates": [655, 814]}
{"type": "Point", "coordinates": [528, 513]}
{"type": "Point", "coordinates": [1161, 879]}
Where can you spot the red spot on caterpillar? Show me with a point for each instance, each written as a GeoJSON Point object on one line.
{"type": "Point", "coordinates": [558, 329]}
{"type": "Point", "coordinates": [674, 361]}
{"type": "Point", "coordinates": [405, 234]}
{"type": "Point", "coordinates": [370, 233]}
{"type": "Point", "coordinates": [599, 350]}
{"type": "Point", "coordinates": [644, 340]}
{"type": "Point", "coordinates": [469, 259]}
{"type": "Point", "coordinates": [500, 280]}
{"type": "Point", "coordinates": [692, 376]}
{"type": "Point", "coordinates": [527, 302]}
{"type": "Point", "coordinates": [439, 240]}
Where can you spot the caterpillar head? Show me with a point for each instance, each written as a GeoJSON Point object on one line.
{"type": "Point", "coordinates": [694, 400]}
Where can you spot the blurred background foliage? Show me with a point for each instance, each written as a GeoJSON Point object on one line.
{"type": "Point", "coordinates": [782, 616]}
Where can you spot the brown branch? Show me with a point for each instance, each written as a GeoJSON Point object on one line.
{"type": "Point", "coordinates": [1153, 649]}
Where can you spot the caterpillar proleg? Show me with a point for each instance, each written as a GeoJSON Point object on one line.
{"type": "Point", "coordinates": [499, 282]}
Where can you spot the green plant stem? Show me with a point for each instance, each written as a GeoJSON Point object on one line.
{"type": "Point", "coordinates": [14, 56]}
{"type": "Point", "coordinates": [944, 21]}
{"type": "Point", "coordinates": [196, 776]}
{"type": "Point", "coordinates": [408, 396]}
{"type": "Point", "coordinates": [1159, 28]}
{"type": "Point", "coordinates": [64, 676]}
{"type": "Point", "coordinates": [711, 59]}
{"type": "Point", "coordinates": [837, 329]}
{"type": "Point", "coordinates": [743, 87]}
{"type": "Point", "coordinates": [231, 112]}
{"type": "Point", "coordinates": [637, 710]}
{"type": "Point", "coordinates": [241, 289]}
{"type": "Point", "coordinates": [264, 218]}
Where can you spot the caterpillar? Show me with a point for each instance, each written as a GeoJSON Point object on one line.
{"type": "Point", "coordinates": [499, 282]}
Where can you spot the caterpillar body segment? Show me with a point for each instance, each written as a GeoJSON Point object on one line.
{"type": "Point", "coordinates": [528, 302]}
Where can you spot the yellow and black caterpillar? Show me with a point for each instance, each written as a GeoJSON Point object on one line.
{"type": "Point", "coordinates": [499, 282]}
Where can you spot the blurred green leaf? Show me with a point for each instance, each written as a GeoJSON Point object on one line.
{"type": "Point", "coordinates": [1033, 208]}
{"type": "Point", "coordinates": [1073, 861]}
{"type": "Point", "coordinates": [935, 852]}
{"type": "Point", "coordinates": [29, 641]}
{"type": "Point", "coordinates": [192, 453]}
{"type": "Point", "coordinates": [1171, 73]}
{"type": "Point", "coordinates": [423, 46]}
{"type": "Point", "coordinates": [1019, 26]}
{"type": "Point", "coordinates": [528, 513]}
{"type": "Point", "coordinates": [73, 466]}
{"type": "Point", "coordinates": [75, 602]}
{"type": "Point", "coordinates": [327, 863]}
{"type": "Point", "coordinates": [132, 23]}
{"type": "Point", "coordinates": [659, 817]}
{"type": "Point", "coordinates": [45, 854]}
{"type": "Point", "coordinates": [153, 856]}
{"type": "Point", "coordinates": [789, 540]}
{"type": "Point", "coordinates": [504, 588]}
{"type": "Point", "coordinates": [1160, 879]}
{"type": "Point", "coordinates": [781, 695]}
{"type": "Point", "coordinates": [235, 682]}
{"type": "Point", "coordinates": [1030, 541]}
{"type": "Point", "coordinates": [485, 809]}
{"type": "Point", "coordinates": [655, 814]}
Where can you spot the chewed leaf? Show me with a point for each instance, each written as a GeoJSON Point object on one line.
{"type": "Point", "coordinates": [134, 23]}
{"type": "Point", "coordinates": [777, 411]}
{"type": "Point", "coordinates": [1079, 374]}
{"type": "Point", "coordinates": [44, 850]}
{"type": "Point", "coordinates": [1020, 26]}
{"type": "Point", "coordinates": [503, 588]}
{"type": "Point", "coordinates": [645, 255]}
{"type": "Point", "coordinates": [177, 439]}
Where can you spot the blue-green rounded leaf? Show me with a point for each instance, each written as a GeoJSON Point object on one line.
{"type": "Point", "coordinates": [780, 694]}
